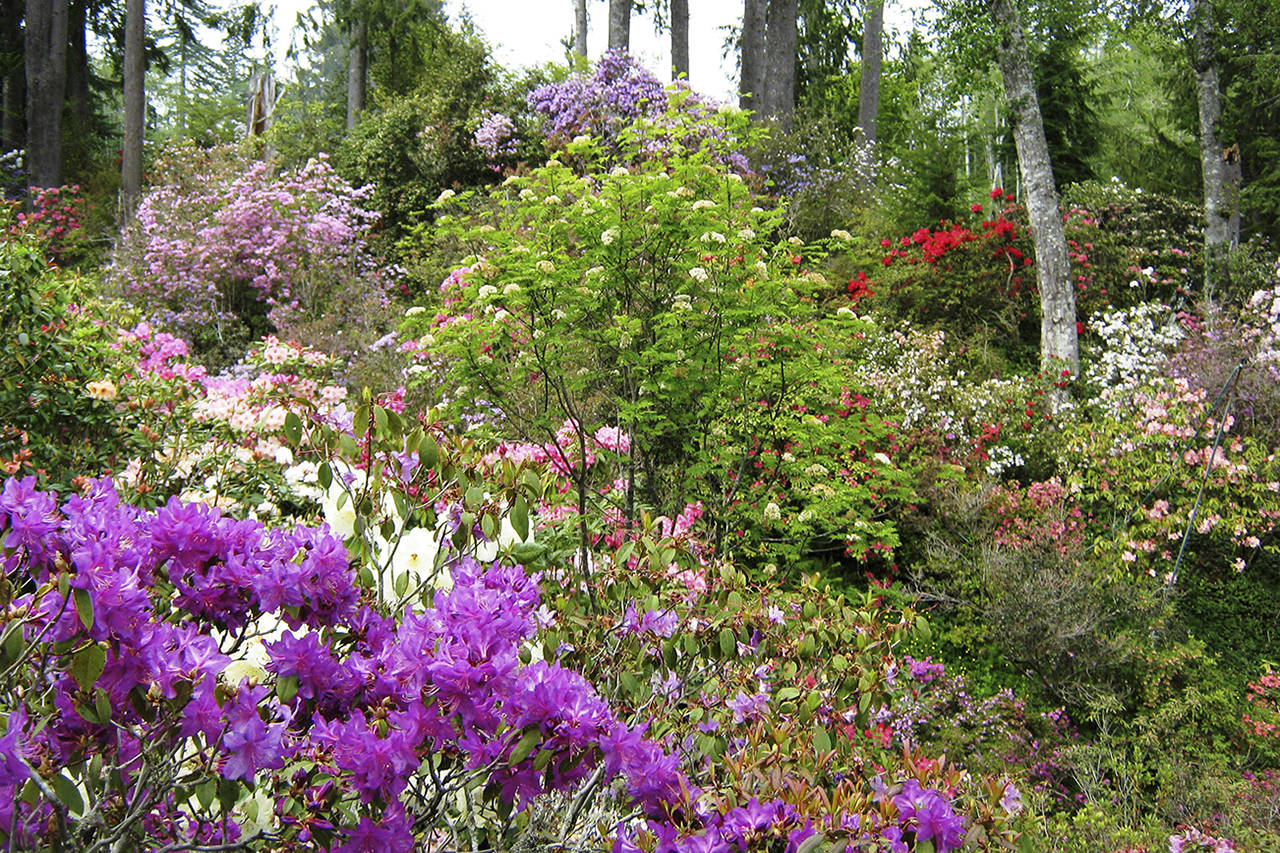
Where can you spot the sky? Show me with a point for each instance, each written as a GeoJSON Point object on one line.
{"type": "Point", "coordinates": [529, 32]}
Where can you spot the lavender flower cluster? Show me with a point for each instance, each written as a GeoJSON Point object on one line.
{"type": "Point", "coordinates": [618, 92]}
{"type": "Point", "coordinates": [136, 637]}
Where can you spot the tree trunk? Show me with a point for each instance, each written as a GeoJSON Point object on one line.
{"type": "Point", "coordinates": [680, 39]}
{"type": "Point", "coordinates": [872, 57]}
{"type": "Point", "coordinates": [779, 102]}
{"type": "Point", "coordinates": [357, 72]}
{"type": "Point", "coordinates": [1059, 343]}
{"type": "Point", "coordinates": [1213, 168]}
{"type": "Point", "coordinates": [12, 133]}
{"type": "Point", "coordinates": [78, 71]}
{"type": "Point", "coordinates": [751, 84]}
{"type": "Point", "coordinates": [619, 24]}
{"type": "Point", "coordinates": [46, 63]}
{"type": "Point", "coordinates": [134, 107]}
{"type": "Point", "coordinates": [580, 28]}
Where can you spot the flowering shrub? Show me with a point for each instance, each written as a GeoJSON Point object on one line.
{"type": "Point", "coordinates": [1128, 246]}
{"type": "Point", "coordinates": [53, 419]}
{"type": "Point", "coordinates": [1239, 348]}
{"type": "Point", "coordinates": [143, 703]}
{"type": "Point", "coordinates": [56, 219]}
{"type": "Point", "coordinates": [229, 246]}
{"type": "Point", "coordinates": [1135, 345]}
{"type": "Point", "coordinates": [622, 103]}
{"type": "Point", "coordinates": [965, 275]}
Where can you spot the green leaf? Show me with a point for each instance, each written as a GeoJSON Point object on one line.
{"type": "Point", "coordinates": [923, 629]}
{"type": "Point", "coordinates": [429, 451]}
{"type": "Point", "coordinates": [629, 683]}
{"type": "Point", "coordinates": [821, 740]}
{"type": "Point", "coordinates": [287, 687]}
{"type": "Point", "coordinates": [206, 791]}
{"type": "Point", "coordinates": [812, 843]}
{"type": "Point", "coordinates": [84, 607]}
{"type": "Point", "coordinates": [525, 746]}
{"type": "Point", "coordinates": [102, 704]}
{"type": "Point", "coordinates": [520, 517]}
{"type": "Point", "coordinates": [87, 665]}
{"type": "Point", "coordinates": [68, 793]}
{"type": "Point", "coordinates": [324, 476]}
{"type": "Point", "coordinates": [293, 428]}
{"type": "Point", "coordinates": [380, 419]}
{"type": "Point", "coordinates": [788, 693]}
{"type": "Point", "coordinates": [401, 583]}
{"type": "Point", "coordinates": [728, 643]}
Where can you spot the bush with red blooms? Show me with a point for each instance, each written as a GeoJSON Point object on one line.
{"type": "Point", "coordinates": [974, 273]}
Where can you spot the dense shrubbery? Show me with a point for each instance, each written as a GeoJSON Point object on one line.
{"type": "Point", "coordinates": [225, 250]}
{"type": "Point", "coordinates": [631, 543]}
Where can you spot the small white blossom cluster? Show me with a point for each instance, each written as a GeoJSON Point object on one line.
{"type": "Point", "coordinates": [1136, 345]}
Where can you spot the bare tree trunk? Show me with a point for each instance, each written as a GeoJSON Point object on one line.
{"type": "Point", "coordinates": [1059, 342]}
{"type": "Point", "coordinates": [872, 57]}
{"type": "Point", "coordinates": [46, 63]}
{"type": "Point", "coordinates": [1213, 167]}
{"type": "Point", "coordinates": [78, 69]}
{"type": "Point", "coordinates": [779, 100]}
{"type": "Point", "coordinates": [619, 24]}
{"type": "Point", "coordinates": [751, 84]}
{"type": "Point", "coordinates": [580, 28]}
{"type": "Point", "coordinates": [15, 95]}
{"type": "Point", "coordinates": [134, 108]}
{"type": "Point", "coordinates": [357, 72]}
{"type": "Point", "coordinates": [680, 39]}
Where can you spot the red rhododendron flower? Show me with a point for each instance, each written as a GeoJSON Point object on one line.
{"type": "Point", "coordinates": [997, 192]}
{"type": "Point", "coordinates": [975, 208]}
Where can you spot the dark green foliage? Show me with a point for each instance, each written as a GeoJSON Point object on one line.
{"type": "Point", "coordinates": [413, 146]}
{"type": "Point", "coordinates": [1235, 614]}
{"type": "Point", "coordinates": [49, 352]}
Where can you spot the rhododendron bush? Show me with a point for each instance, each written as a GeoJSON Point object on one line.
{"type": "Point", "coordinates": [226, 245]}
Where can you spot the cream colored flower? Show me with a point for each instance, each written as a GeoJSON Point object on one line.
{"type": "Point", "coordinates": [103, 389]}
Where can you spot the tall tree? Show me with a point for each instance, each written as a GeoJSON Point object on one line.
{"type": "Point", "coordinates": [1058, 337]}
{"type": "Point", "coordinates": [619, 24]}
{"type": "Point", "coordinates": [872, 58]}
{"type": "Point", "coordinates": [46, 64]}
{"type": "Point", "coordinates": [580, 28]}
{"type": "Point", "coordinates": [680, 38]}
{"type": "Point", "coordinates": [779, 97]}
{"type": "Point", "coordinates": [134, 107]}
{"type": "Point", "coordinates": [1213, 167]}
{"type": "Point", "coordinates": [13, 68]}
{"type": "Point", "coordinates": [357, 71]}
{"type": "Point", "coordinates": [751, 82]}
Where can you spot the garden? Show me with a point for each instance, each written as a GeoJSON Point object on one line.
{"type": "Point", "coordinates": [575, 473]}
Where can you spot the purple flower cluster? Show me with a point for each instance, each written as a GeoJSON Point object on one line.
{"type": "Point", "coordinates": [359, 699]}
{"type": "Point", "coordinates": [281, 239]}
{"type": "Point", "coordinates": [923, 814]}
{"type": "Point", "coordinates": [618, 92]}
{"type": "Point", "coordinates": [496, 136]}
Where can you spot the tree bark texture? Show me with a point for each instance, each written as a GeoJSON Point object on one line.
{"type": "Point", "coordinates": [619, 24]}
{"type": "Point", "coordinates": [751, 82]}
{"type": "Point", "coordinates": [357, 72]}
{"type": "Point", "coordinates": [46, 64]}
{"type": "Point", "coordinates": [134, 108]}
{"type": "Point", "coordinates": [1058, 337]}
{"type": "Point", "coordinates": [872, 58]}
{"type": "Point", "coordinates": [680, 39]}
{"type": "Point", "coordinates": [779, 102]}
{"type": "Point", "coordinates": [1213, 166]}
{"type": "Point", "coordinates": [12, 49]}
{"type": "Point", "coordinates": [580, 28]}
{"type": "Point", "coordinates": [78, 70]}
